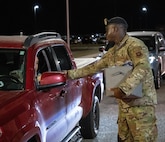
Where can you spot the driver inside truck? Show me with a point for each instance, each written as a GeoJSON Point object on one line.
{"type": "Point", "coordinates": [37, 74]}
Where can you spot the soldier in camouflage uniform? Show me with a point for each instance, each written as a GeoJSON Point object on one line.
{"type": "Point", "coordinates": [136, 118]}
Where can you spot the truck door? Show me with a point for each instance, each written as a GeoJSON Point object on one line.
{"type": "Point", "coordinates": [72, 89]}
{"type": "Point", "coordinates": [51, 103]}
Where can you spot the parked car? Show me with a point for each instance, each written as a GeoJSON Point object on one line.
{"type": "Point", "coordinates": [53, 109]}
{"type": "Point", "coordinates": [155, 42]}
{"type": "Point", "coordinates": [102, 40]}
{"type": "Point", "coordinates": [87, 39]}
{"type": "Point", "coordinates": [75, 39]}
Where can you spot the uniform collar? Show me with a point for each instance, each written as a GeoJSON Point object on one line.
{"type": "Point", "coordinates": [122, 42]}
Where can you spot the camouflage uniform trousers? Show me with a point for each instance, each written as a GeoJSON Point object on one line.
{"type": "Point", "coordinates": [137, 124]}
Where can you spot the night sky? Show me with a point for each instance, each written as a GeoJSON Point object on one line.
{"type": "Point", "coordinates": [86, 16]}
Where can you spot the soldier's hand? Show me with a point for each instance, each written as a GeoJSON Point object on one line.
{"type": "Point", "coordinates": [66, 73]}
{"type": "Point", "coordinates": [118, 93]}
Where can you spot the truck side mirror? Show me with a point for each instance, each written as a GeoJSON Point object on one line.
{"type": "Point", "coordinates": [162, 48]}
{"type": "Point", "coordinates": [102, 48]}
{"type": "Point", "coordinates": [52, 79]}
{"type": "Point", "coordinates": [106, 47]}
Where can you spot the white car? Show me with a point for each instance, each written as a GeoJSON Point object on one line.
{"type": "Point", "coordinates": [156, 45]}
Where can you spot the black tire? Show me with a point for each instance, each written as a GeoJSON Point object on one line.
{"type": "Point", "coordinates": [90, 124]}
{"type": "Point", "coordinates": [163, 76]}
{"type": "Point", "coordinates": [158, 79]}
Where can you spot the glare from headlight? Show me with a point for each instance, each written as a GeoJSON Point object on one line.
{"type": "Point", "coordinates": [151, 59]}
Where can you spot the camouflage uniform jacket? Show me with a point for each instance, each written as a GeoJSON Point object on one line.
{"type": "Point", "coordinates": [129, 49]}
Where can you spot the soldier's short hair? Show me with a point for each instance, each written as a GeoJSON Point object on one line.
{"type": "Point", "coordinates": [116, 20]}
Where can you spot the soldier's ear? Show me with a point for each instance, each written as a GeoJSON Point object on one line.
{"type": "Point", "coordinates": [117, 28]}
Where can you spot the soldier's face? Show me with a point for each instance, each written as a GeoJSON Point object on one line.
{"type": "Point", "coordinates": [110, 32]}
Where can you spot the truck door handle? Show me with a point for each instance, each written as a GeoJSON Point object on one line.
{"type": "Point", "coordinates": [57, 95]}
{"type": "Point", "coordinates": [78, 83]}
{"type": "Point", "coordinates": [62, 93]}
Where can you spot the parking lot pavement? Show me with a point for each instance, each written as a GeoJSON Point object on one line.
{"type": "Point", "coordinates": [109, 113]}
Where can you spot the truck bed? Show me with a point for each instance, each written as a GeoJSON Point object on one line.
{"type": "Point", "coordinates": [81, 62]}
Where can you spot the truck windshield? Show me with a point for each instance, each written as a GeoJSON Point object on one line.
{"type": "Point", "coordinates": [12, 69]}
{"type": "Point", "coordinates": [149, 42]}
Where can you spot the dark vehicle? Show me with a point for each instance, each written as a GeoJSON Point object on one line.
{"type": "Point", "coordinates": [75, 39]}
{"type": "Point", "coordinates": [53, 109]}
{"type": "Point", "coordinates": [102, 40]}
{"type": "Point", "coordinates": [87, 39]}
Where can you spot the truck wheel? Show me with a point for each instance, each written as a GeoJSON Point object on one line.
{"type": "Point", "coordinates": [90, 124]}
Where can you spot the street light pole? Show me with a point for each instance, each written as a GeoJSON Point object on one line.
{"type": "Point", "coordinates": [67, 22]}
{"type": "Point", "coordinates": [35, 16]}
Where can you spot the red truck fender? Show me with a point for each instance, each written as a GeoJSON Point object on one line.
{"type": "Point", "coordinates": [30, 131]}
{"type": "Point", "coordinates": [93, 87]}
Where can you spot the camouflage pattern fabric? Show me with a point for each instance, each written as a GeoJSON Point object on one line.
{"type": "Point", "coordinates": [129, 50]}
{"type": "Point", "coordinates": [137, 124]}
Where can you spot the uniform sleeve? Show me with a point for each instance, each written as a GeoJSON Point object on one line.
{"type": "Point", "coordinates": [141, 66]}
{"type": "Point", "coordinates": [89, 69]}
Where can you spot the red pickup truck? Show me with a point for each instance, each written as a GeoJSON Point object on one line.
{"type": "Point", "coordinates": [54, 109]}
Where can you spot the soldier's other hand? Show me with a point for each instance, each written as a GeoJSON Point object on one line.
{"type": "Point", "coordinates": [118, 93]}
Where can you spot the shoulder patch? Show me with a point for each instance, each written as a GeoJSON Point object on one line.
{"type": "Point", "coordinates": [139, 54]}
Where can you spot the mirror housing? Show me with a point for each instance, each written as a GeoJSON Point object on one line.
{"type": "Point", "coordinates": [162, 48]}
{"type": "Point", "coordinates": [52, 79]}
{"type": "Point", "coordinates": [102, 48]}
